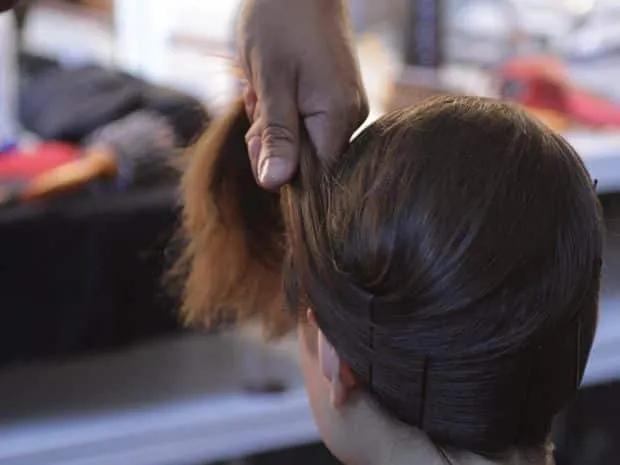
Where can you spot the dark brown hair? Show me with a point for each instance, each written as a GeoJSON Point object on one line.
{"type": "Point", "coordinates": [451, 255]}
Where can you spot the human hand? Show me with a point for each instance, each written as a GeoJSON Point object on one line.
{"type": "Point", "coordinates": [300, 66]}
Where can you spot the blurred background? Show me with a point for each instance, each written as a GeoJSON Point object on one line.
{"type": "Point", "coordinates": [98, 97]}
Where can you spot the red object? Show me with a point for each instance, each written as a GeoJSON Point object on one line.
{"type": "Point", "coordinates": [18, 164]}
{"type": "Point", "coordinates": [541, 83]}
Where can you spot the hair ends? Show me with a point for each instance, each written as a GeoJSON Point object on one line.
{"type": "Point", "coordinates": [232, 233]}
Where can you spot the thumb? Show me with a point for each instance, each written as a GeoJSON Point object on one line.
{"type": "Point", "coordinates": [279, 131]}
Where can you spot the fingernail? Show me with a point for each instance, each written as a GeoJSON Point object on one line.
{"type": "Point", "coordinates": [274, 172]}
{"type": "Point", "coordinates": [254, 145]}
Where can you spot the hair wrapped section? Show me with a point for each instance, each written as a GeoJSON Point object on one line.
{"type": "Point", "coordinates": [432, 264]}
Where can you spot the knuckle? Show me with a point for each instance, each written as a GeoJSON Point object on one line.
{"type": "Point", "coordinates": [254, 131]}
{"type": "Point", "coordinates": [275, 135]}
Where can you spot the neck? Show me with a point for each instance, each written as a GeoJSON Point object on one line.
{"type": "Point", "coordinates": [390, 443]}
{"type": "Point", "coordinates": [424, 452]}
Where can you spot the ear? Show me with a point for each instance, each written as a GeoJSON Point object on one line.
{"type": "Point", "coordinates": [337, 372]}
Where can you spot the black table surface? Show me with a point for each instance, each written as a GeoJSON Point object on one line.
{"type": "Point", "coordinates": [86, 273]}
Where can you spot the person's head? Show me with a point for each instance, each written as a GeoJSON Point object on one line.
{"type": "Point", "coordinates": [444, 272]}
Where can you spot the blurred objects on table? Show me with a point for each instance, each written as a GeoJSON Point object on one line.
{"type": "Point", "coordinates": [24, 163]}
{"type": "Point", "coordinates": [84, 272]}
{"type": "Point", "coordinates": [536, 53]}
{"type": "Point", "coordinates": [133, 151]}
{"type": "Point", "coordinates": [543, 86]}
{"type": "Point", "coordinates": [69, 104]}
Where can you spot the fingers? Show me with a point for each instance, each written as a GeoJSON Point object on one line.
{"type": "Point", "coordinates": [331, 130]}
{"type": "Point", "coordinates": [277, 129]}
{"type": "Point", "coordinates": [253, 137]}
{"type": "Point", "coordinates": [273, 139]}
{"type": "Point", "coordinates": [291, 76]}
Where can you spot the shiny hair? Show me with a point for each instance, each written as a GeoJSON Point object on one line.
{"type": "Point", "coordinates": [451, 255]}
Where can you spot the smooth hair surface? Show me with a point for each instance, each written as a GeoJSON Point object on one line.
{"type": "Point", "coordinates": [451, 255]}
